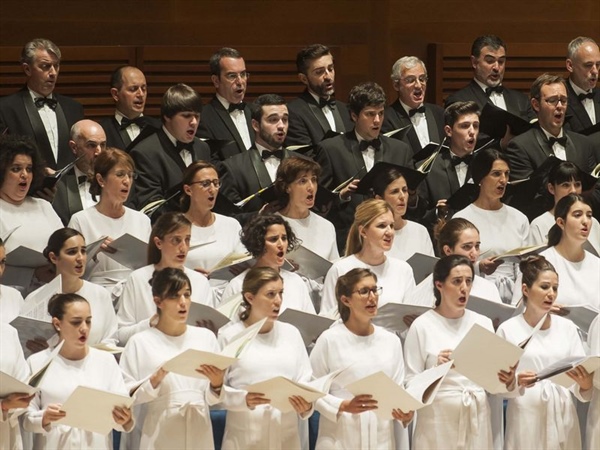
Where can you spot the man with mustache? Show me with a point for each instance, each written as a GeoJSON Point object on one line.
{"type": "Point", "coordinates": [316, 112]}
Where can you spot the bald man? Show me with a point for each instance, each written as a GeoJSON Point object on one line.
{"type": "Point", "coordinates": [73, 189]}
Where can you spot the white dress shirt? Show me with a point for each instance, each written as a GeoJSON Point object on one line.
{"type": "Point", "coordinates": [239, 120]}
{"type": "Point", "coordinates": [496, 98]}
{"type": "Point", "coordinates": [271, 163]}
{"type": "Point", "coordinates": [133, 130]}
{"type": "Point", "coordinates": [48, 116]}
{"type": "Point", "coordinates": [327, 111]}
{"type": "Point", "coordinates": [84, 190]}
{"type": "Point", "coordinates": [419, 122]}
{"type": "Point", "coordinates": [559, 151]}
{"type": "Point", "coordinates": [588, 103]}
{"type": "Point", "coordinates": [185, 154]}
{"type": "Point", "coordinates": [461, 170]}
{"type": "Point", "coordinates": [368, 154]}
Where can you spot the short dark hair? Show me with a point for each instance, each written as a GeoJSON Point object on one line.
{"type": "Point", "coordinates": [308, 54]}
{"type": "Point", "coordinates": [443, 268]}
{"type": "Point", "coordinates": [104, 162]}
{"type": "Point", "coordinates": [58, 239]}
{"type": "Point", "coordinates": [38, 44]}
{"type": "Point", "coordinates": [265, 100]}
{"type": "Point", "coordinates": [488, 40]}
{"type": "Point", "coordinates": [388, 176]}
{"type": "Point", "coordinates": [563, 172]}
{"type": "Point", "coordinates": [254, 280]}
{"type": "Point", "coordinates": [346, 284]}
{"type": "Point", "coordinates": [167, 223]}
{"type": "Point", "coordinates": [458, 109]}
{"type": "Point", "coordinates": [188, 177]}
{"type": "Point", "coordinates": [180, 98]}
{"type": "Point", "coordinates": [543, 80]}
{"type": "Point", "coordinates": [483, 161]}
{"type": "Point", "coordinates": [288, 171]}
{"type": "Point", "coordinates": [116, 77]}
{"type": "Point", "coordinates": [254, 232]}
{"type": "Point", "coordinates": [10, 147]}
{"type": "Point", "coordinates": [214, 63]}
{"type": "Point", "coordinates": [365, 94]}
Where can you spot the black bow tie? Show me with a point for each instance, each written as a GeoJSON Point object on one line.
{"type": "Point", "coordinates": [266, 154]}
{"type": "Point", "coordinates": [412, 112]}
{"type": "Point", "coordinates": [40, 101]}
{"type": "Point", "coordinates": [582, 97]}
{"type": "Point", "coordinates": [240, 106]}
{"type": "Point", "coordinates": [184, 146]}
{"type": "Point", "coordinates": [323, 103]}
{"type": "Point", "coordinates": [125, 122]}
{"type": "Point", "coordinates": [82, 179]}
{"type": "Point", "coordinates": [456, 160]}
{"type": "Point", "coordinates": [561, 140]}
{"type": "Point", "coordinates": [497, 89]}
{"type": "Point", "coordinates": [375, 143]}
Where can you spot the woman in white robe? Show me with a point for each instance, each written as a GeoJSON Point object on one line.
{"type": "Point", "coordinates": [167, 247]}
{"type": "Point", "coordinates": [349, 421]}
{"type": "Point", "coordinates": [370, 237]}
{"type": "Point", "coordinates": [172, 411]}
{"type": "Point", "coordinates": [77, 364]}
{"type": "Point", "coordinates": [460, 415]}
{"type": "Point", "coordinates": [592, 435]}
{"type": "Point", "coordinates": [544, 416]}
{"type": "Point", "coordinates": [277, 350]}
{"type": "Point", "coordinates": [11, 300]}
{"type": "Point", "coordinates": [12, 405]}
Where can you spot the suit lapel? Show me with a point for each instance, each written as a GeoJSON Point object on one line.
{"type": "Point", "coordinates": [64, 156]}
{"type": "Point", "coordinates": [39, 131]}
{"type": "Point", "coordinates": [264, 180]}
{"type": "Point", "coordinates": [356, 154]}
{"type": "Point", "coordinates": [318, 113]}
{"type": "Point", "coordinates": [576, 107]}
{"type": "Point", "coordinates": [432, 126]}
{"type": "Point", "coordinates": [404, 120]}
{"type": "Point", "coordinates": [450, 172]}
{"type": "Point", "coordinates": [73, 198]}
{"type": "Point", "coordinates": [228, 121]}
{"type": "Point", "coordinates": [543, 145]}
{"type": "Point", "coordinates": [170, 149]}
{"type": "Point", "coordinates": [122, 133]}
{"type": "Point", "coordinates": [482, 99]}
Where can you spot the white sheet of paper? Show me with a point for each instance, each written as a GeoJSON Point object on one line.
{"type": "Point", "coordinates": [391, 315]}
{"type": "Point", "coordinates": [581, 315]}
{"type": "Point", "coordinates": [130, 251]}
{"type": "Point", "coordinates": [591, 364]}
{"type": "Point", "coordinates": [92, 250]}
{"type": "Point", "coordinates": [8, 233]}
{"type": "Point", "coordinates": [199, 313]}
{"type": "Point", "coordinates": [32, 329]}
{"type": "Point", "coordinates": [91, 409]}
{"type": "Point", "coordinates": [422, 265]}
{"type": "Point", "coordinates": [230, 259]}
{"type": "Point", "coordinates": [310, 325]}
{"type": "Point", "coordinates": [229, 307]}
{"type": "Point", "coordinates": [490, 309]}
{"type": "Point", "coordinates": [115, 350]}
{"type": "Point", "coordinates": [516, 254]}
{"type": "Point", "coordinates": [35, 379]}
{"type": "Point", "coordinates": [36, 306]}
{"type": "Point", "coordinates": [26, 257]}
{"type": "Point", "coordinates": [308, 263]}
{"type": "Point", "coordinates": [280, 389]}
{"type": "Point", "coordinates": [10, 385]}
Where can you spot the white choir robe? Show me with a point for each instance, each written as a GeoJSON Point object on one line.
{"type": "Point", "coordinates": [592, 435]}
{"type": "Point", "coordinates": [175, 414]}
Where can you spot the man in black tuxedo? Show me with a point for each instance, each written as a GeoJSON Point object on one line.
{"type": "Point", "coordinates": [451, 168]}
{"type": "Point", "coordinates": [128, 89]}
{"type": "Point", "coordinates": [583, 64]}
{"type": "Point", "coordinates": [315, 112]}
{"type": "Point", "coordinates": [73, 189]}
{"type": "Point", "coordinates": [529, 150]}
{"type": "Point", "coordinates": [343, 157]}
{"type": "Point", "coordinates": [409, 77]}
{"type": "Point", "coordinates": [247, 173]}
{"type": "Point", "coordinates": [227, 117]}
{"type": "Point", "coordinates": [36, 110]}
{"type": "Point", "coordinates": [161, 158]}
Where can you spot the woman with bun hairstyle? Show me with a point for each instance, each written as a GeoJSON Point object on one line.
{"type": "Point", "coordinates": [544, 416]}
{"type": "Point", "coordinates": [77, 364]}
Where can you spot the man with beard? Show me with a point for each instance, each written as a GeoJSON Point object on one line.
{"type": "Point", "coordinates": [247, 173]}
{"type": "Point", "coordinates": [316, 112]}
{"type": "Point", "coordinates": [227, 117]}
{"type": "Point", "coordinates": [161, 158]}
{"type": "Point", "coordinates": [128, 89]}
{"type": "Point", "coordinates": [409, 77]}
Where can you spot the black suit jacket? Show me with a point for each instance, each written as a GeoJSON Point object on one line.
{"type": "Point", "coordinates": [529, 150]}
{"type": "Point", "coordinates": [395, 117]}
{"type": "Point", "coordinates": [340, 158]}
{"type": "Point", "coordinates": [517, 103]}
{"type": "Point", "coordinates": [216, 123]}
{"type": "Point", "coordinates": [159, 167]}
{"type": "Point", "coordinates": [577, 117]}
{"type": "Point", "coordinates": [19, 116]}
{"type": "Point", "coordinates": [308, 124]}
{"type": "Point", "coordinates": [115, 137]}
{"type": "Point", "coordinates": [67, 200]}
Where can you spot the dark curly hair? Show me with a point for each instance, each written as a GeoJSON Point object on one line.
{"type": "Point", "coordinates": [10, 147]}
{"type": "Point", "coordinates": [254, 232]}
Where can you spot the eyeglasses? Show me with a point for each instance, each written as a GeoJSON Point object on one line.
{"type": "Point", "coordinates": [206, 183]}
{"type": "Point", "coordinates": [553, 101]}
{"type": "Point", "coordinates": [233, 76]}
{"type": "Point", "coordinates": [412, 80]}
{"type": "Point", "coordinates": [364, 292]}
{"type": "Point", "coordinates": [120, 174]}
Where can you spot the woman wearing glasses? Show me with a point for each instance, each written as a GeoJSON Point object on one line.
{"type": "Point", "coordinates": [362, 348]}
{"type": "Point", "coordinates": [112, 181]}
{"type": "Point", "coordinates": [214, 236]}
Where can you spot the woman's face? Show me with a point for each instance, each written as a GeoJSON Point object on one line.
{"type": "Point", "coordinates": [75, 325]}
{"type": "Point", "coordinates": [455, 289]}
{"type": "Point", "coordinates": [467, 245]}
{"type": "Point", "coordinates": [494, 183]}
{"type": "Point", "coordinates": [175, 308]}
{"type": "Point", "coordinates": [72, 257]}
{"type": "Point", "coordinates": [542, 293]}
{"type": "Point", "coordinates": [267, 301]}
{"type": "Point", "coordinates": [563, 189]}
{"type": "Point", "coordinates": [17, 180]}
{"type": "Point", "coordinates": [364, 299]}
{"type": "Point", "coordinates": [174, 247]}
{"type": "Point", "coordinates": [202, 190]}
{"type": "Point", "coordinates": [276, 244]}
{"type": "Point", "coordinates": [396, 194]}
{"type": "Point", "coordinates": [303, 190]}
{"type": "Point", "coordinates": [380, 232]}
{"type": "Point", "coordinates": [578, 222]}
{"type": "Point", "coordinates": [117, 184]}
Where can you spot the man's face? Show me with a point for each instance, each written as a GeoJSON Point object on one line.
{"type": "Point", "coordinates": [131, 97]}
{"type": "Point", "coordinates": [273, 126]}
{"type": "Point", "coordinates": [231, 83]}
{"type": "Point", "coordinates": [368, 122]}
{"type": "Point", "coordinates": [489, 67]}
{"type": "Point", "coordinates": [320, 76]}
{"type": "Point", "coordinates": [42, 73]}
{"type": "Point", "coordinates": [412, 86]}
{"type": "Point", "coordinates": [584, 67]}
{"type": "Point", "coordinates": [183, 125]}
{"type": "Point", "coordinates": [463, 134]}
{"type": "Point", "coordinates": [551, 107]}
{"type": "Point", "coordinates": [90, 142]}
